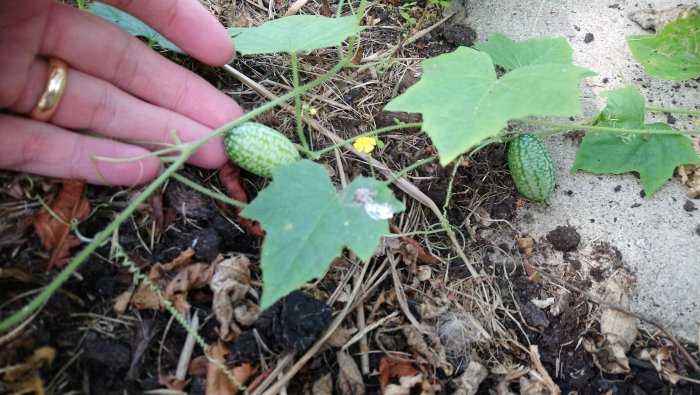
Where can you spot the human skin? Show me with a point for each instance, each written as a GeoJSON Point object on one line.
{"type": "Point", "coordinates": [116, 87]}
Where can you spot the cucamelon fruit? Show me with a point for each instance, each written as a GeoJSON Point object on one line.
{"type": "Point", "coordinates": [259, 148]}
{"type": "Point", "coordinates": [531, 167]}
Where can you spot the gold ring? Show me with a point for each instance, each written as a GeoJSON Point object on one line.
{"type": "Point", "coordinates": [55, 85]}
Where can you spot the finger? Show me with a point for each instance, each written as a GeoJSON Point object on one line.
{"type": "Point", "coordinates": [99, 48]}
{"type": "Point", "coordinates": [41, 148]}
{"type": "Point", "coordinates": [187, 24]}
{"type": "Point", "coordinates": [96, 105]}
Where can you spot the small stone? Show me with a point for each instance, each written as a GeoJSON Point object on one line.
{"type": "Point", "coordinates": [670, 119]}
{"type": "Point", "coordinates": [589, 37]}
{"type": "Point", "coordinates": [564, 238]}
{"type": "Point", "coordinates": [689, 206]}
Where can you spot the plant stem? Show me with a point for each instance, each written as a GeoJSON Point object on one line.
{"type": "Point", "coordinates": [408, 169]}
{"type": "Point", "coordinates": [214, 195]}
{"type": "Point", "coordinates": [311, 154]}
{"type": "Point", "coordinates": [370, 133]}
{"type": "Point", "coordinates": [106, 233]}
{"type": "Point", "coordinates": [297, 99]}
{"type": "Point", "coordinates": [673, 110]}
{"type": "Point", "coordinates": [416, 233]}
{"type": "Point", "coordinates": [562, 126]}
{"type": "Point", "coordinates": [450, 185]}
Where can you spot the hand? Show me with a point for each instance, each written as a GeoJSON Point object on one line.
{"type": "Point", "coordinates": [116, 86]}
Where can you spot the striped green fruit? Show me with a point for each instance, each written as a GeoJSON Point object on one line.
{"type": "Point", "coordinates": [259, 149]}
{"type": "Point", "coordinates": [531, 167]}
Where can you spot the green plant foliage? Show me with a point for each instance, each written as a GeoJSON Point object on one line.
{"type": "Point", "coordinates": [511, 55]}
{"type": "Point", "coordinates": [308, 223]}
{"type": "Point", "coordinates": [654, 157]}
{"type": "Point", "coordinates": [293, 34]}
{"type": "Point", "coordinates": [132, 25]}
{"type": "Point", "coordinates": [673, 54]}
{"type": "Point", "coordinates": [463, 102]}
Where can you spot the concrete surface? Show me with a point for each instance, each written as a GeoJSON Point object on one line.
{"type": "Point", "coordinates": [656, 236]}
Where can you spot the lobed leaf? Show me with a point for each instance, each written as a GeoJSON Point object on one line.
{"type": "Point", "coordinates": [463, 102]}
{"type": "Point", "coordinates": [654, 157]}
{"type": "Point", "coordinates": [293, 34]}
{"type": "Point", "coordinates": [308, 223]}
{"type": "Point", "coordinates": [511, 55]}
{"type": "Point", "coordinates": [673, 54]}
{"type": "Point", "coordinates": [132, 25]}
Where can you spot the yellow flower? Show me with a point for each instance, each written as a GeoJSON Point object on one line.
{"type": "Point", "coordinates": [365, 144]}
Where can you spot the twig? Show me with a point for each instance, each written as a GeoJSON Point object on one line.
{"type": "Point", "coordinates": [294, 8]}
{"type": "Point", "coordinates": [186, 354]}
{"type": "Point", "coordinates": [361, 324]}
{"type": "Point", "coordinates": [595, 299]}
{"type": "Point", "coordinates": [401, 298]}
{"type": "Point", "coordinates": [535, 358]}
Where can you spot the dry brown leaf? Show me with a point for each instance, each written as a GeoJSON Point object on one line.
{"type": "Point", "coordinates": [690, 177]}
{"type": "Point", "coordinates": [419, 251]}
{"type": "Point", "coordinates": [350, 380]}
{"type": "Point", "coordinates": [230, 176]}
{"type": "Point", "coordinates": [662, 359]}
{"type": "Point", "coordinates": [340, 336]}
{"type": "Point", "coordinates": [190, 276]}
{"type": "Point", "coordinates": [423, 273]}
{"type": "Point", "coordinates": [154, 207]}
{"type": "Point", "coordinates": [122, 301]}
{"type": "Point", "coordinates": [618, 332]}
{"type": "Point", "coordinates": [230, 284]}
{"type": "Point", "coordinates": [407, 386]}
{"type": "Point", "coordinates": [323, 386]}
{"type": "Point", "coordinates": [218, 383]}
{"type": "Point", "coordinates": [18, 372]}
{"type": "Point", "coordinates": [468, 382]}
{"type": "Point", "coordinates": [435, 352]}
{"type": "Point", "coordinates": [394, 366]}
{"type": "Point", "coordinates": [525, 245]}
{"type": "Point", "coordinates": [54, 226]}
{"type": "Point", "coordinates": [194, 276]}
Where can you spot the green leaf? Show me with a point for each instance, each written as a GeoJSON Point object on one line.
{"type": "Point", "coordinates": [511, 55]}
{"type": "Point", "coordinates": [308, 223]}
{"type": "Point", "coordinates": [654, 157]}
{"type": "Point", "coordinates": [463, 103]}
{"type": "Point", "coordinates": [293, 34]}
{"type": "Point", "coordinates": [673, 54]}
{"type": "Point", "coordinates": [132, 25]}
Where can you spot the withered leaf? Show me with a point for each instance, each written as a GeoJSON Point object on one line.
{"type": "Point", "coordinates": [230, 284]}
{"type": "Point", "coordinates": [54, 226]}
{"type": "Point", "coordinates": [230, 176]}
{"type": "Point", "coordinates": [174, 288]}
{"type": "Point", "coordinates": [394, 366]}
{"type": "Point", "coordinates": [218, 383]}
{"type": "Point", "coordinates": [350, 380]}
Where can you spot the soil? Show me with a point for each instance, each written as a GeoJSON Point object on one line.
{"type": "Point", "coordinates": [435, 319]}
